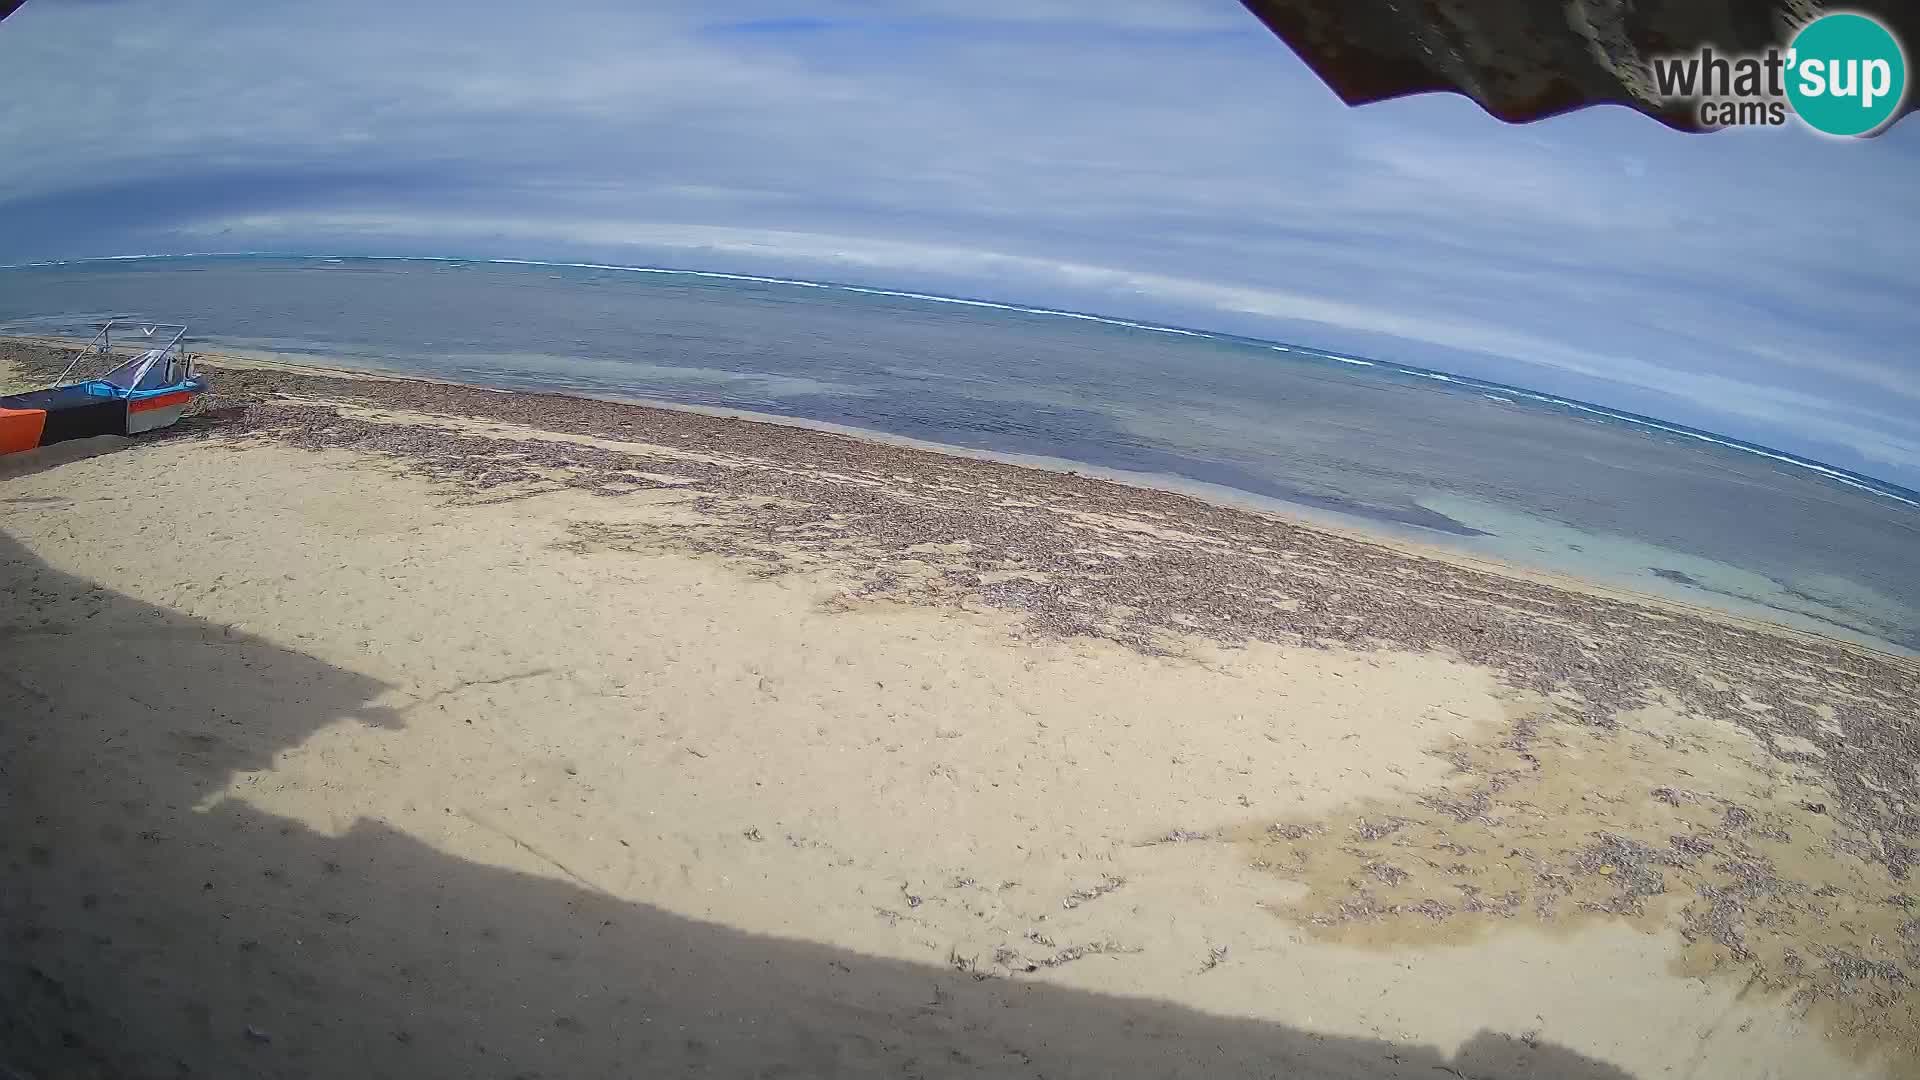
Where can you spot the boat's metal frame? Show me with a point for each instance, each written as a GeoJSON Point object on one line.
{"type": "Point", "coordinates": [170, 335]}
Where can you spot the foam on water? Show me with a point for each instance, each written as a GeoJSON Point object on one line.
{"type": "Point", "coordinates": [1841, 475]}
{"type": "Point", "coordinates": [1008, 385]}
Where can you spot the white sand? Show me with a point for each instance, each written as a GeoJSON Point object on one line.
{"type": "Point", "coordinates": [409, 788]}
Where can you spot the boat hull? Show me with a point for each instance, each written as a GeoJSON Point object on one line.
{"type": "Point", "coordinates": [44, 417]}
{"type": "Point", "coordinates": [21, 429]}
{"type": "Point", "coordinates": [153, 413]}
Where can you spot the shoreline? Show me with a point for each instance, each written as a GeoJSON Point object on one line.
{"type": "Point", "coordinates": [473, 732]}
{"type": "Point", "coordinates": [1393, 536]}
{"type": "Point", "coordinates": [1860, 481]}
{"type": "Point", "coordinates": [1404, 538]}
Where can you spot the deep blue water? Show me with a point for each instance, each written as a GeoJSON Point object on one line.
{"type": "Point", "coordinates": [1616, 498]}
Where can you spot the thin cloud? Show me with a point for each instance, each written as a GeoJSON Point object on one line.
{"type": "Point", "coordinates": [1158, 158]}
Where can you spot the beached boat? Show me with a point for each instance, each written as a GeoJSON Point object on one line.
{"type": "Point", "coordinates": [150, 390]}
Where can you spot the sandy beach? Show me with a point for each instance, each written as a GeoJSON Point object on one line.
{"type": "Point", "coordinates": [376, 727]}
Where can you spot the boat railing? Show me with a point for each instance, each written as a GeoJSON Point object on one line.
{"type": "Point", "coordinates": [162, 342]}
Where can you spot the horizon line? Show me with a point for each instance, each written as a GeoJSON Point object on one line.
{"type": "Point", "coordinates": [1875, 485]}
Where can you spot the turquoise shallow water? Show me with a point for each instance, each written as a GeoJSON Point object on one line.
{"type": "Point", "coordinates": [1490, 469]}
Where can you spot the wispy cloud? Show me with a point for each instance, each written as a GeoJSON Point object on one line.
{"type": "Point", "coordinates": [1160, 158]}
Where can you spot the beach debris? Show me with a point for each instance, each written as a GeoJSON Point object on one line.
{"type": "Point", "coordinates": [1849, 968]}
{"type": "Point", "coordinates": [1009, 957]}
{"type": "Point", "coordinates": [1631, 866]}
{"type": "Point", "coordinates": [1215, 957]}
{"type": "Point", "coordinates": [1107, 884]}
{"type": "Point", "coordinates": [752, 834]}
{"type": "Point", "coordinates": [1689, 845]}
{"type": "Point", "coordinates": [1386, 873]}
{"type": "Point", "coordinates": [225, 414]}
{"type": "Point", "coordinates": [1429, 908]}
{"type": "Point", "coordinates": [255, 1035]}
{"type": "Point", "coordinates": [1378, 828]}
{"type": "Point", "coordinates": [1506, 905]}
{"type": "Point", "coordinates": [1012, 959]}
{"type": "Point", "coordinates": [1176, 836]}
{"type": "Point", "coordinates": [1473, 808]}
{"type": "Point", "coordinates": [1076, 952]}
{"type": "Point", "coordinates": [1287, 831]}
{"type": "Point", "coordinates": [969, 965]}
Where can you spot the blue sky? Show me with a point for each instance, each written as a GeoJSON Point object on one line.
{"type": "Point", "coordinates": [1165, 159]}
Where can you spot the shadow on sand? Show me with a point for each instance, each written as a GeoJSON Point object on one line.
{"type": "Point", "coordinates": [28, 462]}
{"type": "Point", "coordinates": [368, 953]}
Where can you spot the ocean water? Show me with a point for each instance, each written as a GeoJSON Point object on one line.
{"type": "Point", "coordinates": [1492, 470]}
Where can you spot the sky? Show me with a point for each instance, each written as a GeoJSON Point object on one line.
{"type": "Point", "coordinates": [1166, 160]}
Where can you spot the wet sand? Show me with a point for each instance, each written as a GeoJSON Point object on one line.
{"type": "Point", "coordinates": [383, 727]}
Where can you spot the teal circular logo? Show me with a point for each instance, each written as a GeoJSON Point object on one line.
{"type": "Point", "coordinates": [1846, 74]}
